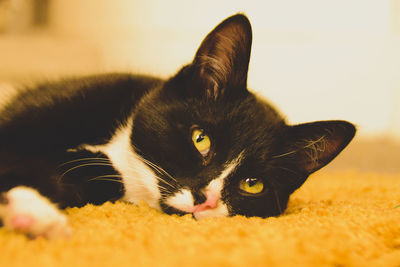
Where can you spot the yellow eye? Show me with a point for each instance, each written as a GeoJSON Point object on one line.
{"type": "Point", "coordinates": [201, 141]}
{"type": "Point", "coordinates": [251, 185]}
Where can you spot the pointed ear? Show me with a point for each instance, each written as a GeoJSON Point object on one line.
{"type": "Point", "coordinates": [222, 60]}
{"type": "Point", "coordinates": [316, 144]}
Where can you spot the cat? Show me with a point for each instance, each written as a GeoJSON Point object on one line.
{"type": "Point", "coordinates": [197, 143]}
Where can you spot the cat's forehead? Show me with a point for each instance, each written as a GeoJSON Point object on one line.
{"type": "Point", "coordinates": [243, 111]}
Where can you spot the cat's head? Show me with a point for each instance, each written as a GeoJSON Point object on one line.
{"type": "Point", "coordinates": [219, 149]}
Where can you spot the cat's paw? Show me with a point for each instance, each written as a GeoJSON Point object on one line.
{"type": "Point", "coordinates": [24, 210]}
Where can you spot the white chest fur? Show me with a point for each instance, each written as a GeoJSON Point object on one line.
{"type": "Point", "coordinates": [139, 180]}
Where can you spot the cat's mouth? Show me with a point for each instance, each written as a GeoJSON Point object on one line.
{"type": "Point", "coordinates": [182, 203]}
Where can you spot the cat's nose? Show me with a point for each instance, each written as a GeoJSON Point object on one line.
{"type": "Point", "coordinates": [209, 203]}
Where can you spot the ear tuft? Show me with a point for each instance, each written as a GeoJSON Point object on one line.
{"type": "Point", "coordinates": [317, 143]}
{"type": "Point", "coordinates": [222, 59]}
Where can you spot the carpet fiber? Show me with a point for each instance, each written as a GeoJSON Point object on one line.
{"type": "Point", "coordinates": [335, 219]}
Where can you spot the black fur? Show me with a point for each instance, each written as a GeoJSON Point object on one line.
{"type": "Point", "coordinates": [38, 128]}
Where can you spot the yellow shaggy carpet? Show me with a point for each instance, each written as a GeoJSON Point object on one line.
{"type": "Point", "coordinates": [335, 219]}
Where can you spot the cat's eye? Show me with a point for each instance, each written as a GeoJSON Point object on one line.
{"type": "Point", "coordinates": [251, 185]}
{"type": "Point", "coordinates": [201, 141]}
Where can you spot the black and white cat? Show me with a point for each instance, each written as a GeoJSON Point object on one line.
{"type": "Point", "coordinates": [197, 143]}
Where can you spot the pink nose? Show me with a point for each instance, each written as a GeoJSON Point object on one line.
{"type": "Point", "coordinates": [210, 203]}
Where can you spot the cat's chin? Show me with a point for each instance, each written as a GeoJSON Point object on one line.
{"type": "Point", "coordinates": [220, 211]}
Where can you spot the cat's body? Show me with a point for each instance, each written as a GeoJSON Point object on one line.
{"type": "Point", "coordinates": [45, 126]}
{"type": "Point", "coordinates": [197, 143]}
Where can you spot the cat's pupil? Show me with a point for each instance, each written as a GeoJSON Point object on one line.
{"type": "Point", "coordinates": [200, 137]}
{"type": "Point", "coordinates": [251, 181]}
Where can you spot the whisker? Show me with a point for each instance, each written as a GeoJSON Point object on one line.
{"type": "Point", "coordinates": [164, 193]}
{"type": "Point", "coordinates": [83, 165]}
{"type": "Point", "coordinates": [158, 168]}
{"type": "Point", "coordinates": [106, 179]}
{"type": "Point", "coordinates": [83, 159]}
{"type": "Point", "coordinates": [165, 182]}
{"type": "Point", "coordinates": [95, 161]}
{"type": "Point", "coordinates": [163, 197]}
{"type": "Point", "coordinates": [284, 154]}
{"type": "Point", "coordinates": [117, 180]}
{"type": "Point", "coordinates": [105, 176]}
{"type": "Point", "coordinates": [163, 188]}
{"type": "Point", "coordinates": [161, 171]}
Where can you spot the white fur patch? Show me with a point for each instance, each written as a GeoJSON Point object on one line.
{"type": "Point", "coordinates": [215, 187]}
{"type": "Point", "coordinates": [26, 211]}
{"type": "Point", "coordinates": [183, 200]}
{"type": "Point", "coordinates": [139, 180]}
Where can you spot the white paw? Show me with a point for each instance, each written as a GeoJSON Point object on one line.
{"type": "Point", "coordinates": [23, 209]}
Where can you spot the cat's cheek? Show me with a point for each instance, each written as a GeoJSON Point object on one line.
{"type": "Point", "coordinates": [181, 200]}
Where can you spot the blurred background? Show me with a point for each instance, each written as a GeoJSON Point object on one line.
{"type": "Point", "coordinates": [314, 59]}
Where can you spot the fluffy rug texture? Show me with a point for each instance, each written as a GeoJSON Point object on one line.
{"type": "Point", "coordinates": [335, 219]}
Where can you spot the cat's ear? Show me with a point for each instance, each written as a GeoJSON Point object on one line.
{"type": "Point", "coordinates": [316, 144]}
{"type": "Point", "coordinates": [222, 60]}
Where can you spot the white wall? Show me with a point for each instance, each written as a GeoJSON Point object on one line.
{"type": "Point", "coordinates": [315, 59]}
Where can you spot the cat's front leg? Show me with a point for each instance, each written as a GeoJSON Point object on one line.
{"type": "Point", "coordinates": [24, 209]}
